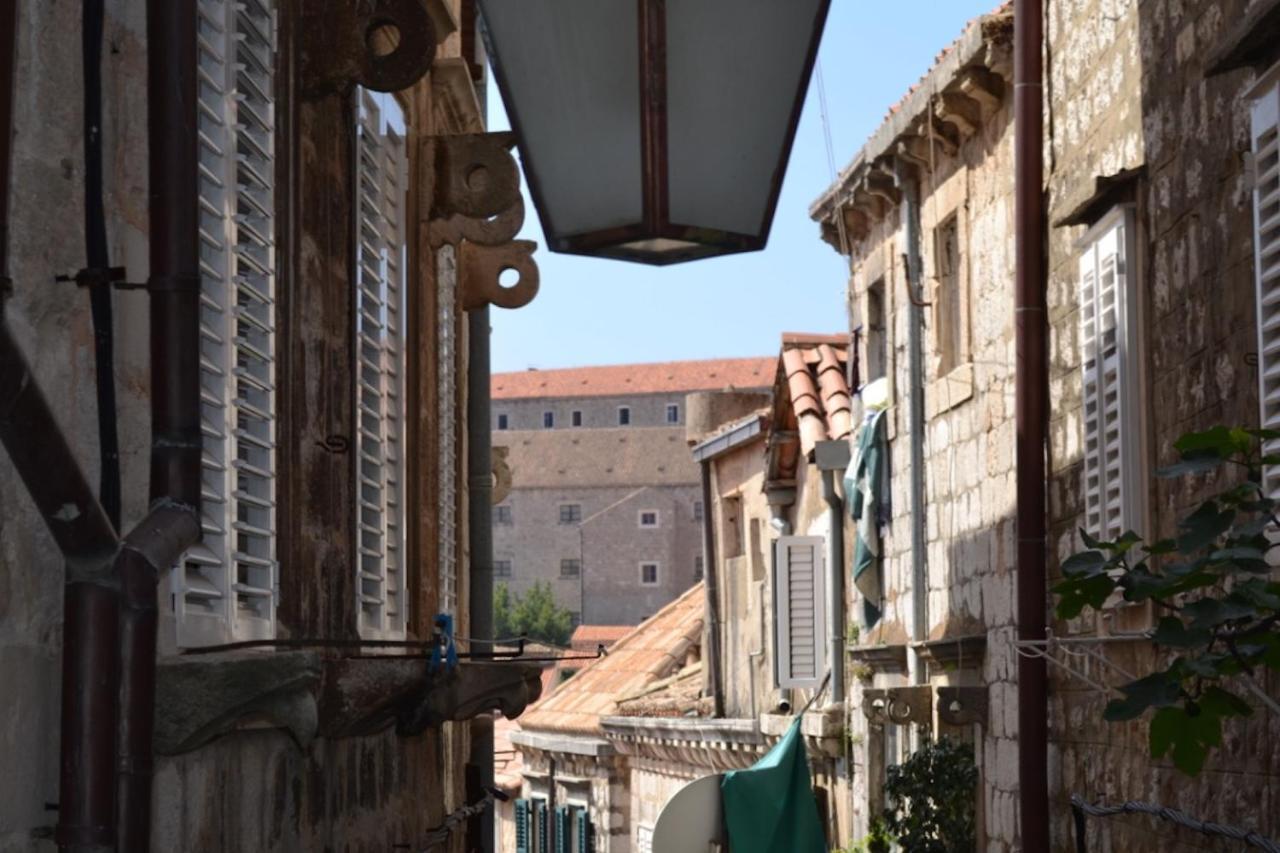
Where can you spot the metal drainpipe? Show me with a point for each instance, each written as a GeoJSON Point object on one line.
{"type": "Point", "coordinates": [910, 186]}
{"type": "Point", "coordinates": [1031, 417]}
{"type": "Point", "coordinates": [713, 593]}
{"type": "Point", "coordinates": [173, 523]}
{"type": "Point", "coordinates": [480, 514]}
{"type": "Point", "coordinates": [833, 456]}
{"type": "Point", "coordinates": [83, 533]}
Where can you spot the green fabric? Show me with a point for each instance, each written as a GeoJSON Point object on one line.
{"type": "Point", "coordinates": [866, 488]}
{"type": "Point", "coordinates": [769, 807]}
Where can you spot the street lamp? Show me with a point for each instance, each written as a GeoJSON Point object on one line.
{"type": "Point", "coordinates": [654, 130]}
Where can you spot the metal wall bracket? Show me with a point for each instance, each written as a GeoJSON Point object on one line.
{"type": "Point", "coordinates": [344, 44]}
{"type": "Point", "coordinates": [958, 706]}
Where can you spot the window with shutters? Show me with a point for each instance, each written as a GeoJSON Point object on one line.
{"type": "Point", "coordinates": [586, 833]}
{"type": "Point", "coordinates": [799, 604]}
{"type": "Point", "coordinates": [381, 186]}
{"type": "Point", "coordinates": [950, 308]}
{"type": "Point", "coordinates": [1111, 368]}
{"type": "Point", "coordinates": [648, 574]}
{"type": "Point", "coordinates": [1265, 135]}
{"type": "Point", "coordinates": [522, 826]}
{"type": "Point", "coordinates": [225, 587]}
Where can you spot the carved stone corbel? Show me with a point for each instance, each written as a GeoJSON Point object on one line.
{"type": "Point", "coordinates": [384, 45]}
{"type": "Point", "coordinates": [474, 187]}
{"type": "Point", "coordinates": [899, 705]}
{"type": "Point", "coordinates": [960, 111]}
{"type": "Point", "coordinates": [959, 706]}
{"type": "Point", "coordinates": [984, 86]}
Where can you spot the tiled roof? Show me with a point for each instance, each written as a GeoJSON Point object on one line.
{"type": "Point", "coordinates": [670, 377]}
{"type": "Point", "coordinates": [812, 402]}
{"type": "Point", "coordinates": [588, 637]}
{"type": "Point", "coordinates": [679, 695]}
{"type": "Point", "coordinates": [621, 456]}
{"type": "Point", "coordinates": [654, 650]}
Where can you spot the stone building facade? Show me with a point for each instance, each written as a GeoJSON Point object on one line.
{"type": "Point", "coordinates": [605, 512]}
{"type": "Point", "coordinates": [332, 419]}
{"type": "Point", "coordinates": [1155, 271]}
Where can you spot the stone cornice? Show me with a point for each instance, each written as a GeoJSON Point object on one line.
{"type": "Point", "coordinates": [716, 744]}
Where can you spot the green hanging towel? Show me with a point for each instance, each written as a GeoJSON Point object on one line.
{"type": "Point", "coordinates": [769, 807]}
{"type": "Point", "coordinates": [866, 488]}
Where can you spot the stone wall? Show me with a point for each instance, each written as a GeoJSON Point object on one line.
{"type": "Point", "coordinates": [647, 410]}
{"type": "Point", "coordinates": [1129, 92]}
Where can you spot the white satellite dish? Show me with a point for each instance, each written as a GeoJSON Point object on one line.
{"type": "Point", "coordinates": [692, 821]}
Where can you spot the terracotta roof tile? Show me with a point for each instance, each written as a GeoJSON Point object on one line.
{"type": "Point", "coordinates": [813, 385]}
{"type": "Point", "coordinates": [587, 637]}
{"type": "Point", "coordinates": [507, 760]}
{"type": "Point", "coordinates": [654, 650]}
{"type": "Point", "coordinates": [619, 379]}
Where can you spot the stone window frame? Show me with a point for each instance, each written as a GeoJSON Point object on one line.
{"type": "Point", "coordinates": [575, 418]}
{"type": "Point", "coordinates": [673, 413]}
{"type": "Point", "coordinates": [573, 514]}
{"type": "Point", "coordinates": [504, 421]}
{"type": "Point", "coordinates": [570, 567]}
{"type": "Point", "coordinates": [624, 416]}
{"type": "Point", "coordinates": [657, 572]}
{"type": "Point", "coordinates": [548, 420]}
{"type": "Point", "coordinates": [947, 390]}
{"type": "Point", "coordinates": [657, 519]}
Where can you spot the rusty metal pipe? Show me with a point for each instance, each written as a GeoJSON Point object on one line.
{"type": "Point", "coordinates": [1031, 419]}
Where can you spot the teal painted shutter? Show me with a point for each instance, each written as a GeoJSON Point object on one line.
{"type": "Point", "coordinates": [562, 829]}
{"type": "Point", "coordinates": [586, 838]}
{"type": "Point", "coordinates": [544, 826]}
{"type": "Point", "coordinates": [522, 826]}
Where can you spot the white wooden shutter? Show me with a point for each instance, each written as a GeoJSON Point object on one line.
{"type": "Point", "coordinates": [381, 185]}
{"type": "Point", "coordinates": [1110, 364]}
{"type": "Point", "coordinates": [225, 587]}
{"type": "Point", "coordinates": [447, 421]}
{"type": "Point", "coordinates": [1266, 241]}
{"type": "Point", "coordinates": [801, 627]}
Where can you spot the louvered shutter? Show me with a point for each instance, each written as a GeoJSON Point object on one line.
{"type": "Point", "coordinates": [542, 826]}
{"type": "Point", "coordinates": [225, 586]}
{"type": "Point", "coordinates": [586, 836]}
{"type": "Point", "coordinates": [381, 184]}
{"type": "Point", "coordinates": [800, 604]}
{"type": "Point", "coordinates": [1110, 360]}
{"type": "Point", "coordinates": [564, 838]}
{"type": "Point", "coordinates": [447, 421]}
{"type": "Point", "coordinates": [1266, 242]}
{"type": "Point", "coordinates": [522, 826]}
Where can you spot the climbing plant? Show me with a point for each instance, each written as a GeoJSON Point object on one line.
{"type": "Point", "coordinates": [1217, 600]}
{"type": "Point", "coordinates": [933, 794]}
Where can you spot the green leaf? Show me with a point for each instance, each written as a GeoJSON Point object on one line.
{"type": "Point", "coordinates": [1212, 612]}
{"type": "Point", "coordinates": [1204, 526]}
{"type": "Point", "coordinates": [1164, 546]}
{"type": "Point", "coordinates": [1224, 703]}
{"type": "Point", "coordinates": [1173, 633]}
{"type": "Point", "coordinates": [1189, 732]}
{"type": "Point", "coordinates": [1084, 564]}
{"type": "Point", "coordinates": [1125, 542]}
{"type": "Point", "coordinates": [1157, 690]}
{"type": "Point", "coordinates": [1224, 441]}
{"type": "Point", "coordinates": [1088, 540]}
{"type": "Point", "coordinates": [1078, 593]}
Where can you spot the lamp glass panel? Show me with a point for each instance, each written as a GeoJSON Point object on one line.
{"type": "Point", "coordinates": [572, 74]}
{"type": "Point", "coordinates": [735, 70]}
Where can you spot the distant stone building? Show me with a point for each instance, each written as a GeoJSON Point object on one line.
{"type": "Point", "coordinates": [605, 503]}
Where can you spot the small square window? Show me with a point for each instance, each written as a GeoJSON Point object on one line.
{"type": "Point", "coordinates": [575, 418]}
{"type": "Point", "coordinates": [502, 568]}
{"type": "Point", "coordinates": [648, 574]}
{"type": "Point", "coordinates": [697, 568]}
{"type": "Point", "coordinates": [648, 518]}
{"type": "Point", "coordinates": [624, 416]}
{"type": "Point", "coordinates": [570, 513]}
{"type": "Point", "coordinates": [570, 568]}
{"type": "Point", "coordinates": [502, 514]}
{"type": "Point", "coordinates": [548, 420]}
{"type": "Point", "coordinates": [503, 422]}
{"type": "Point", "coordinates": [673, 413]}
{"type": "Point", "coordinates": [697, 510]}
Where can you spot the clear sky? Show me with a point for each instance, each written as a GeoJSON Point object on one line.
{"type": "Point", "coordinates": [609, 312]}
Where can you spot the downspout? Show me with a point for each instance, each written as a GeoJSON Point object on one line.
{"type": "Point", "coordinates": [833, 456]}
{"type": "Point", "coordinates": [480, 532]}
{"type": "Point", "coordinates": [710, 576]}
{"type": "Point", "coordinates": [48, 468]}
{"type": "Point", "coordinates": [173, 523]}
{"type": "Point", "coordinates": [1031, 416]}
{"type": "Point", "coordinates": [907, 181]}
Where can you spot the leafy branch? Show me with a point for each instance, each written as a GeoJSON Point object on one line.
{"type": "Point", "coordinates": [1212, 586]}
